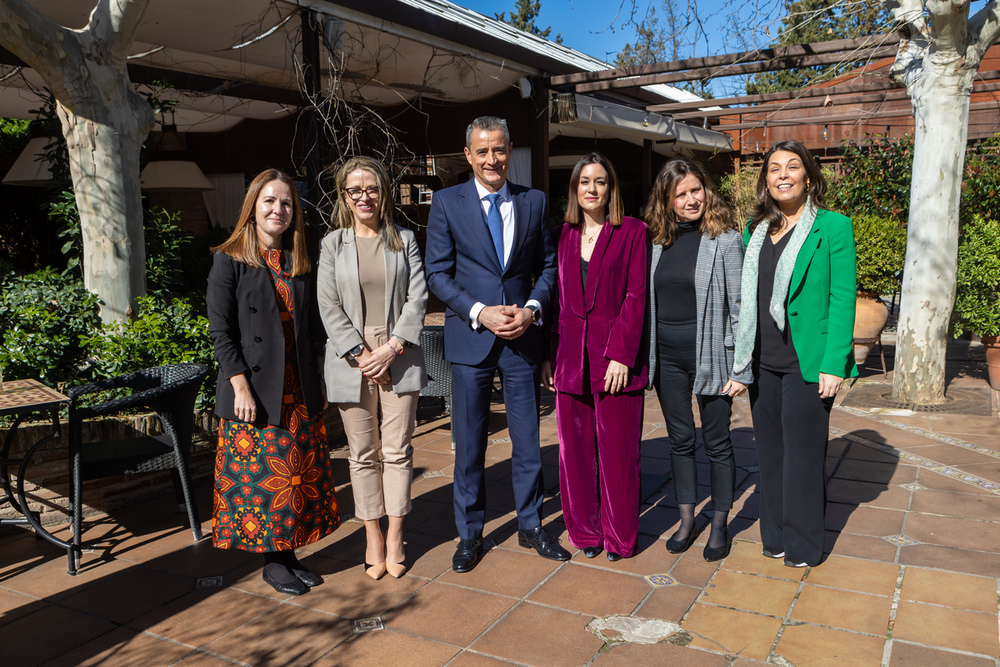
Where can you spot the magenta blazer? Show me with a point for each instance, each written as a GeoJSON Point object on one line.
{"type": "Point", "coordinates": [606, 321]}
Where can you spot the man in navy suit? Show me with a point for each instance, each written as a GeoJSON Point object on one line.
{"type": "Point", "coordinates": [491, 260]}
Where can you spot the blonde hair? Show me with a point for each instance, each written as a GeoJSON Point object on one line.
{"type": "Point", "coordinates": [614, 209]}
{"type": "Point", "coordinates": [659, 212]}
{"type": "Point", "coordinates": [243, 246]}
{"type": "Point", "coordinates": [343, 215]}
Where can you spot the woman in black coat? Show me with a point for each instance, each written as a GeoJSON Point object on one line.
{"type": "Point", "coordinates": [273, 480]}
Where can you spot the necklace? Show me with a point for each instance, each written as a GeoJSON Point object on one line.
{"type": "Point", "coordinates": [590, 239]}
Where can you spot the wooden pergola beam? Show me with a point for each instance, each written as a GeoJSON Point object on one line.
{"type": "Point", "coordinates": [835, 118]}
{"type": "Point", "coordinates": [842, 89]}
{"type": "Point", "coordinates": [792, 62]}
{"type": "Point", "coordinates": [816, 101]}
{"type": "Point", "coordinates": [816, 48]}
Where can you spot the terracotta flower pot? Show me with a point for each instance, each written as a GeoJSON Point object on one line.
{"type": "Point", "coordinates": [869, 321]}
{"type": "Point", "coordinates": [992, 359]}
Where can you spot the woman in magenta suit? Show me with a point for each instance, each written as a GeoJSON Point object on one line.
{"type": "Point", "coordinates": [599, 364]}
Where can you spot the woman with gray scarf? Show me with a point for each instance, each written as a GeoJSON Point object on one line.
{"type": "Point", "coordinates": [795, 331]}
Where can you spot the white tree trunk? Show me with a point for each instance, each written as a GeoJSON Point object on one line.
{"type": "Point", "coordinates": [105, 122]}
{"type": "Point", "coordinates": [941, 113]}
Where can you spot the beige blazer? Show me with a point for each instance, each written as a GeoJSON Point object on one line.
{"type": "Point", "coordinates": [339, 294]}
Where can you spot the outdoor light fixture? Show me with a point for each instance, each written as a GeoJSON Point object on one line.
{"type": "Point", "coordinates": [172, 170]}
{"type": "Point", "coordinates": [826, 132]}
{"type": "Point", "coordinates": [32, 167]}
{"type": "Point", "coordinates": [645, 120]}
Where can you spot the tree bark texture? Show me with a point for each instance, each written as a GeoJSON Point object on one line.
{"type": "Point", "coordinates": [937, 62]}
{"type": "Point", "coordinates": [105, 122]}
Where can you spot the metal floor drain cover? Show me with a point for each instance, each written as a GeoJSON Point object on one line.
{"type": "Point", "coordinates": [368, 625]}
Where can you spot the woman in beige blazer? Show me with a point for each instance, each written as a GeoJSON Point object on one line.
{"type": "Point", "coordinates": [372, 298]}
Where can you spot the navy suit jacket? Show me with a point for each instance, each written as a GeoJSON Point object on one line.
{"type": "Point", "coordinates": [463, 268]}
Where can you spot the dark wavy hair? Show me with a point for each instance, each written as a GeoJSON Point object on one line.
{"type": "Point", "coordinates": [242, 244]}
{"type": "Point", "coordinates": [659, 212]}
{"type": "Point", "coordinates": [614, 209]}
{"type": "Point", "coordinates": [766, 209]}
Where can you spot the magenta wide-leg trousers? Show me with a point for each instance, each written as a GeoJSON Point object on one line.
{"type": "Point", "coordinates": [599, 468]}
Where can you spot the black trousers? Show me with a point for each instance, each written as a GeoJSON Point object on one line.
{"type": "Point", "coordinates": [674, 383]}
{"type": "Point", "coordinates": [791, 425]}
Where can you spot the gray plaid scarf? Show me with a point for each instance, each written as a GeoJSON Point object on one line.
{"type": "Point", "coordinates": [746, 334]}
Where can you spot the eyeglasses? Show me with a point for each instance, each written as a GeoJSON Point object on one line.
{"type": "Point", "coordinates": [355, 193]}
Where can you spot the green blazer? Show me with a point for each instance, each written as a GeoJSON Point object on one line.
{"type": "Point", "coordinates": [822, 298]}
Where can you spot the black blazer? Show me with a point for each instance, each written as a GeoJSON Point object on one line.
{"type": "Point", "coordinates": [245, 326]}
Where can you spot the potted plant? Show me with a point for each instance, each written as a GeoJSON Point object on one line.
{"type": "Point", "coordinates": [881, 247]}
{"type": "Point", "coordinates": [977, 304]}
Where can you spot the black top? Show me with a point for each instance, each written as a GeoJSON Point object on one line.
{"type": "Point", "coordinates": [673, 279]}
{"type": "Point", "coordinates": [584, 265]}
{"type": "Point", "coordinates": [774, 347]}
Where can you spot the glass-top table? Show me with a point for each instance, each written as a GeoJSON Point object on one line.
{"type": "Point", "coordinates": [20, 399]}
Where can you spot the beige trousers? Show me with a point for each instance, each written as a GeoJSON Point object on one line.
{"type": "Point", "coordinates": [381, 468]}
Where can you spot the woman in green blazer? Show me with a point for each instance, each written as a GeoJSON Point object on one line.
{"type": "Point", "coordinates": [795, 331]}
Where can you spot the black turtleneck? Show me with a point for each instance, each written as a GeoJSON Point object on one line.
{"type": "Point", "coordinates": [673, 279]}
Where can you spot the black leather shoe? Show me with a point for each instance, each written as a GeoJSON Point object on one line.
{"type": "Point", "coordinates": [676, 546]}
{"type": "Point", "coordinates": [772, 553]}
{"type": "Point", "coordinates": [540, 541]}
{"type": "Point", "coordinates": [307, 577]}
{"type": "Point", "coordinates": [612, 556]}
{"type": "Point", "coordinates": [295, 587]}
{"type": "Point", "coordinates": [591, 552]}
{"type": "Point", "coordinates": [467, 555]}
{"type": "Point", "coordinates": [713, 554]}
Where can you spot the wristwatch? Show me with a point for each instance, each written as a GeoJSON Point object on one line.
{"type": "Point", "coordinates": [356, 350]}
{"type": "Point", "coordinates": [535, 313]}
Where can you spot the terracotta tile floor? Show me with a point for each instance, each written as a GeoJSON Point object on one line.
{"type": "Point", "coordinates": [913, 535]}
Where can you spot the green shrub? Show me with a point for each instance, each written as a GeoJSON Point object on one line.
{"type": "Point", "coordinates": [881, 248]}
{"type": "Point", "coordinates": [165, 331]}
{"type": "Point", "coordinates": [874, 178]}
{"type": "Point", "coordinates": [42, 318]}
{"type": "Point", "coordinates": [740, 192]}
{"type": "Point", "coordinates": [977, 304]}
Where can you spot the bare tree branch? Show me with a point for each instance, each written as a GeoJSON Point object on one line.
{"type": "Point", "coordinates": [115, 22]}
{"type": "Point", "coordinates": [984, 27]}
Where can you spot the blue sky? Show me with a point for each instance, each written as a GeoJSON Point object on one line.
{"type": "Point", "coordinates": [601, 28]}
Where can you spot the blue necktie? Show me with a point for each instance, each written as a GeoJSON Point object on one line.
{"type": "Point", "coordinates": [495, 222]}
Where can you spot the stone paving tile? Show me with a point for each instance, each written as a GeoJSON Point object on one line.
{"type": "Point", "coordinates": [354, 595]}
{"type": "Point", "coordinates": [989, 471]}
{"type": "Point", "coordinates": [910, 655]}
{"type": "Point", "coordinates": [813, 646]}
{"type": "Point", "coordinates": [532, 634]}
{"type": "Point", "coordinates": [448, 614]}
{"type": "Point", "coordinates": [123, 647]}
{"type": "Point", "coordinates": [729, 631]}
{"type": "Point", "coordinates": [748, 592]}
{"type": "Point", "coordinates": [847, 610]}
{"type": "Point", "coordinates": [877, 495]}
{"type": "Point", "coordinates": [935, 480]}
{"type": "Point", "coordinates": [950, 589]}
{"type": "Point", "coordinates": [949, 558]}
{"type": "Point", "coordinates": [381, 648]}
{"type": "Point", "coordinates": [957, 629]}
{"type": "Point", "coordinates": [655, 655]}
{"type": "Point", "coordinates": [30, 640]}
{"type": "Point", "coordinates": [284, 635]}
{"type": "Point", "coordinates": [862, 520]}
{"type": "Point", "coordinates": [746, 557]}
{"type": "Point", "coordinates": [129, 593]}
{"type": "Point", "coordinates": [952, 455]}
{"type": "Point", "coordinates": [48, 578]}
{"type": "Point", "coordinates": [854, 574]}
{"type": "Point", "coordinates": [14, 605]}
{"type": "Point", "coordinates": [591, 590]}
{"type": "Point", "coordinates": [860, 546]}
{"type": "Point", "coordinates": [470, 659]}
{"type": "Point", "coordinates": [514, 575]}
{"type": "Point", "coordinates": [203, 659]}
{"type": "Point", "coordinates": [956, 504]}
{"type": "Point", "coordinates": [669, 603]}
{"type": "Point", "coordinates": [954, 532]}
{"type": "Point", "coordinates": [203, 616]}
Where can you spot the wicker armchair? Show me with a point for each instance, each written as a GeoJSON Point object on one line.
{"type": "Point", "coordinates": [170, 391]}
{"type": "Point", "coordinates": [438, 370]}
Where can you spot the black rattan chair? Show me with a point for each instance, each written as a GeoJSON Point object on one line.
{"type": "Point", "coordinates": [438, 370]}
{"type": "Point", "coordinates": [170, 391]}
